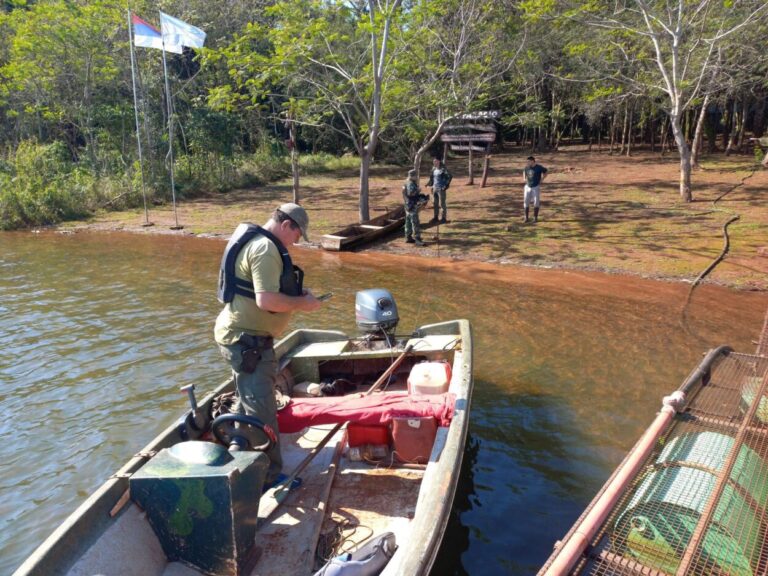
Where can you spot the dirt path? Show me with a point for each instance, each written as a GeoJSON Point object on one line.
{"type": "Point", "coordinates": [599, 212]}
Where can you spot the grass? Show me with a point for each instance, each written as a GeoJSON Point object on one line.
{"type": "Point", "coordinates": [599, 212]}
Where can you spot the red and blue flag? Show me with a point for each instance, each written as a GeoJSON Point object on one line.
{"type": "Point", "coordinates": [148, 36]}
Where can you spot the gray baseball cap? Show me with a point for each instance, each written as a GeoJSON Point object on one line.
{"type": "Point", "coordinates": [298, 215]}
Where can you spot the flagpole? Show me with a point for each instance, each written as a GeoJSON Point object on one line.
{"type": "Point", "coordinates": [136, 113]}
{"type": "Point", "coordinates": [170, 136]}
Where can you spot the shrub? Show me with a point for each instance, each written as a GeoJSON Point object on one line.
{"type": "Point", "coordinates": [47, 187]}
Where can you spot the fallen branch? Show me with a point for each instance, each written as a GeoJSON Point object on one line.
{"type": "Point", "coordinates": [747, 177]}
{"type": "Point", "coordinates": [115, 199]}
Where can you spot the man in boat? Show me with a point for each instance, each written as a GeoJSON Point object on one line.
{"type": "Point", "coordinates": [533, 176]}
{"type": "Point", "coordinates": [439, 180]}
{"type": "Point", "coordinates": [413, 199]}
{"type": "Point", "coordinates": [260, 289]}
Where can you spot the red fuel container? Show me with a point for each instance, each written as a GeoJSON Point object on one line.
{"type": "Point", "coordinates": [413, 438]}
{"type": "Point", "coordinates": [360, 434]}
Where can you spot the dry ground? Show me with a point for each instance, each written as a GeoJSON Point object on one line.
{"type": "Point", "coordinates": [599, 212]}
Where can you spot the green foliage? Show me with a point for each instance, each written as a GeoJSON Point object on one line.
{"type": "Point", "coordinates": [46, 187]}
{"type": "Point", "coordinates": [309, 66]}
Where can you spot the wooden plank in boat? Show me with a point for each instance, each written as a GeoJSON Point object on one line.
{"type": "Point", "coordinates": [371, 227]}
{"type": "Point", "coordinates": [287, 541]}
{"type": "Point", "coordinates": [374, 500]}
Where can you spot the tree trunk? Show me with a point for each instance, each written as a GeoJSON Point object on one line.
{"type": "Point", "coordinates": [710, 128]}
{"type": "Point", "coordinates": [294, 162]}
{"type": "Point", "coordinates": [624, 130]}
{"type": "Point", "coordinates": [599, 136]}
{"type": "Point", "coordinates": [685, 159]}
{"type": "Point", "coordinates": [471, 166]}
{"type": "Point", "coordinates": [742, 123]}
{"type": "Point", "coordinates": [365, 168]}
{"type": "Point", "coordinates": [758, 122]}
{"type": "Point", "coordinates": [696, 147]}
{"type": "Point", "coordinates": [613, 134]}
{"type": "Point", "coordinates": [427, 144]}
{"type": "Point", "coordinates": [727, 124]}
{"type": "Point", "coordinates": [630, 132]}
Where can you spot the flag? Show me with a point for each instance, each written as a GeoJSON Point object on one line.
{"type": "Point", "coordinates": [147, 36]}
{"type": "Point", "coordinates": [178, 33]}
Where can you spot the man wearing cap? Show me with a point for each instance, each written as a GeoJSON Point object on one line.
{"type": "Point", "coordinates": [260, 289]}
{"type": "Point", "coordinates": [411, 198]}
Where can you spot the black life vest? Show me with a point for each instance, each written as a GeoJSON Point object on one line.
{"type": "Point", "coordinates": [291, 279]}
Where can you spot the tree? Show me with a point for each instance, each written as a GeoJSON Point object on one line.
{"type": "Point", "coordinates": [674, 43]}
{"type": "Point", "coordinates": [457, 58]}
{"type": "Point", "coordinates": [324, 63]}
{"type": "Point", "coordinates": [61, 70]}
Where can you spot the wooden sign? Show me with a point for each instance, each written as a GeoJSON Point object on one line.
{"type": "Point", "coordinates": [464, 148]}
{"type": "Point", "coordinates": [484, 137]}
{"type": "Point", "coordinates": [478, 127]}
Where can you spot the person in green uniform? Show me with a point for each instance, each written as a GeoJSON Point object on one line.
{"type": "Point", "coordinates": [411, 199]}
{"type": "Point", "coordinates": [260, 289]}
{"type": "Point", "coordinates": [439, 180]}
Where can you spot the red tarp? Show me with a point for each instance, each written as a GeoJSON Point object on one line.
{"type": "Point", "coordinates": [373, 409]}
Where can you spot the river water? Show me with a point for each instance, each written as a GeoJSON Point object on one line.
{"type": "Point", "coordinates": [98, 332]}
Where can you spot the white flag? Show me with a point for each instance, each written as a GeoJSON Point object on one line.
{"type": "Point", "coordinates": [147, 36]}
{"type": "Point", "coordinates": [177, 33]}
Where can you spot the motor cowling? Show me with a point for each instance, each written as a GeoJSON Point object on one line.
{"type": "Point", "coordinates": [376, 311]}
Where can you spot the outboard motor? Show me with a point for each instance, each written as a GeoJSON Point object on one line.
{"type": "Point", "coordinates": [376, 311]}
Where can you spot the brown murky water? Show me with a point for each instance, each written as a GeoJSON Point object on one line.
{"type": "Point", "coordinates": [98, 332]}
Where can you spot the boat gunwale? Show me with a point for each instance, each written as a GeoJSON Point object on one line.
{"type": "Point", "coordinates": [443, 471]}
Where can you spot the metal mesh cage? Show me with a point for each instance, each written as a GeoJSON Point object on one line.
{"type": "Point", "coordinates": [698, 504]}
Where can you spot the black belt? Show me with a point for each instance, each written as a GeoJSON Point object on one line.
{"type": "Point", "coordinates": [260, 342]}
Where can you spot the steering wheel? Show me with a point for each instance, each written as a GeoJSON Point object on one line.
{"type": "Point", "coordinates": [225, 431]}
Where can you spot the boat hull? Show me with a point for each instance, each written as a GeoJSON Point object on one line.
{"type": "Point", "coordinates": [357, 234]}
{"type": "Point", "coordinates": [109, 534]}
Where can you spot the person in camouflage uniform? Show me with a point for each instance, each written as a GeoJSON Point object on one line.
{"type": "Point", "coordinates": [439, 180]}
{"type": "Point", "coordinates": [411, 193]}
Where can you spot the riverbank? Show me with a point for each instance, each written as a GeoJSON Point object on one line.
{"type": "Point", "coordinates": [599, 213]}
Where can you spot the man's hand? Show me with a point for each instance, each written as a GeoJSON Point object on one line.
{"type": "Point", "coordinates": [310, 302]}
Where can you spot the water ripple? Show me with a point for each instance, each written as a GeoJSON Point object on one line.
{"type": "Point", "coordinates": [98, 332]}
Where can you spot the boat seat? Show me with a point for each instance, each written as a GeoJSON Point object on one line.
{"type": "Point", "coordinates": [371, 227]}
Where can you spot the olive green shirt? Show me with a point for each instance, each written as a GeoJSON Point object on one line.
{"type": "Point", "coordinates": [260, 262]}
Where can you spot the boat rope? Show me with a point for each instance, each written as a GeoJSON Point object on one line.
{"type": "Point", "coordinates": [335, 541]}
{"type": "Point", "coordinates": [726, 245]}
